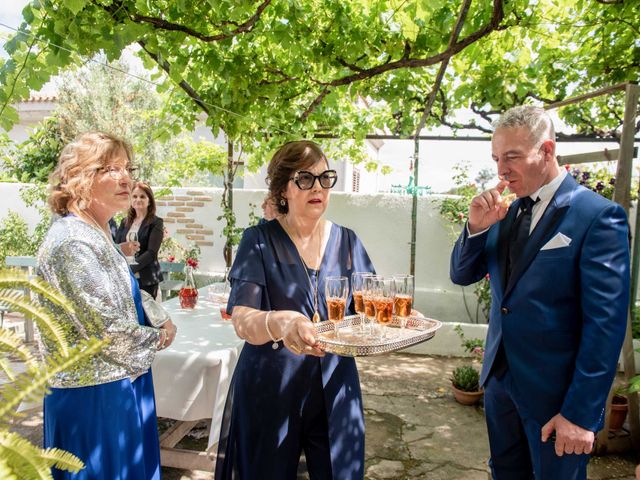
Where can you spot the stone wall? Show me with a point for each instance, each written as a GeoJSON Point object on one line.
{"type": "Point", "coordinates": [179, 212]}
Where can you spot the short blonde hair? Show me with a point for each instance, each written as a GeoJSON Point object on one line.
{"type": "Point", "coordinates": [71, 181]}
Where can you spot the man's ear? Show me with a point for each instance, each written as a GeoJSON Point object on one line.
{"type": "Point", "coordinates": [549, 149]}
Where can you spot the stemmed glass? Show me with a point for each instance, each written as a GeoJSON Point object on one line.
{"type": "Point", "coordinates": [383, 294]}
{"type": "Point", "coordinates": [368, 291]}
{"type": "Point", "coordinates": [132, 237]}
{"type": "Point", "coordinates": [403, 300]}
{"type": "Point", "coordinates": [336, 292]}
{"type": "Point", "coordinates": [357, 289]}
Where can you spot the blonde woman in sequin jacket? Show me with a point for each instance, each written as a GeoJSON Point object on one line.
{"type": "Point", "coordinates": [102, 410]}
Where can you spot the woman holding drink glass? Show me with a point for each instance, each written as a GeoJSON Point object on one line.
{"type": "Point", "coordinates": [141, 233]}
{"type": "Point", "coordinates": [286, 395]}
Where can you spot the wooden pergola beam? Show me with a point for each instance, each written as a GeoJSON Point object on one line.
{"type": "Point", "coordinates": [587, 96]}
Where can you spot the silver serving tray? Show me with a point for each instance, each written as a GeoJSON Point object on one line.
{"type": "Point", "coordinates": [354, 343]}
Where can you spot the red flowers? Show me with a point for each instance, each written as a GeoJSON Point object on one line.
{"type": "Point", "coordinates": [171, 258]}
{"type": "Point", "coordinates": [192, 262]}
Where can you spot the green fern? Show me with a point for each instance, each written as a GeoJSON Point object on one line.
{"type": "Point", "coordinates": [62, 460]}
{"type": "Point", "coordinates": [12, 343]}
{"type": "Point", "coordinates": [13, 279]}
{"type": "Point", "coordinates": [5, 368]}
{"type": "Point", "coordinates": [6, 472]}
{"type": "Point", "coordinates": [20, 459]}
{"type": "Point", "coordinates": [32, 385]}
{"type": "Point", "coordinates": [27, 459]}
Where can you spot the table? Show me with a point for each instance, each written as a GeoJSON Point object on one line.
{"type": "Point", "coordinates": [191, 379]}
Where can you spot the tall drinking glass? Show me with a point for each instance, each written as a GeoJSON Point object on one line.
{"type": "Point", "coordinates": [384, 292]}
{"type": "Point", "coordinates": [132, 237]}
{"type": "Point", "coordinates": [403, 300]}
{"type": "Point", "coordinates": [357, 290]}
{"type": "Point", "coordinates": [368, 291]}
{"type": "Point", "coordinates": [336, 292]}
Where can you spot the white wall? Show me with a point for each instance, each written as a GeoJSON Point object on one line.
{"type": "Point", "coordinates": [383, 222]}
{"type": "Point", "coordinates": [10, 201]}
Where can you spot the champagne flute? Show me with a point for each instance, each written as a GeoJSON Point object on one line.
{"type": "Point", "coordinates": [369, 284]}
{"type": "Point", "coordinates": [357, 289]}
{"type": "Point", "coordinates": [383, 294]}
{"type": "Point", "coordinates": [336, 291]}
{"type": "Point", "coordinates": [132, 237]}
{"type": "Point", "coordinates": [403, 300]}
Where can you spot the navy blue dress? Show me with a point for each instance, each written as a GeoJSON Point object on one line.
{"type": "Point", "coordinates": [280, 404]}
{"type": "Point", "coordinates": [111, 427]}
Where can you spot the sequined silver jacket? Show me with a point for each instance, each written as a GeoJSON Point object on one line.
{"type": "Point", "coordinates": [78, 260]}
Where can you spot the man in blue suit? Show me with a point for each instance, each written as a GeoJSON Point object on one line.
{"type": "Point", "coordinates": [558, 259]}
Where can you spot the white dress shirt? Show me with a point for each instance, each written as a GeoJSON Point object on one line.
{"type": "Point", "coordinates": [545, 194]}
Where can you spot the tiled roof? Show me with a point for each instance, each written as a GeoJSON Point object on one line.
{"type": "Point", "coordinates": [41, 99]}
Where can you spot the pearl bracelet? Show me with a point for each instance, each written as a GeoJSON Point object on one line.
{"type": "Point", "coordinates": [266, 327]}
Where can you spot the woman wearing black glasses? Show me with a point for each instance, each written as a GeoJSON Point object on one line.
{"type": "Point", "coordinates": [287, 396]}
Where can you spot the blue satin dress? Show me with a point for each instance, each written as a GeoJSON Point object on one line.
{"type": "Point", "coordinates": [280, 404]}
{"type": "Point", "coordinates": [111, 427]}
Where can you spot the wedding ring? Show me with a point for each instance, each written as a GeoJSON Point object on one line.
{"type": "Point", "coordinates": [295, 348]}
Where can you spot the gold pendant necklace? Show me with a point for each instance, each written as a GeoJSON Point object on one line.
{"type": "Point", "coordinates": [316, 315]}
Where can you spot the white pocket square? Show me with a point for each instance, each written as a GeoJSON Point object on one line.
{"type": "Point", "coordinates": [558, 241]}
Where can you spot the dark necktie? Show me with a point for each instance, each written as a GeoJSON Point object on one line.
{"type": "Point", "coordinates": [520, 231]}
{"type": "Point", "coordinates": [517, 240]}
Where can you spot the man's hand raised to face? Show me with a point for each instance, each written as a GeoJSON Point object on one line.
{"type": "Point", "coordinates": [487, 208]}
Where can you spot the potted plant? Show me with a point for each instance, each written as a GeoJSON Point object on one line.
{"type": "Point", "coordinates": [465, 380]}
{"type": "Point", "coordinates": [620, 404]}
{"type": "Point", "coordinates": [618, 412]}
{"type": "Point", "coordinates": [465, 385]}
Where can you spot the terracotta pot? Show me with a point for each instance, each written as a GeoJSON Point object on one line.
{"type": "Point", "coordinates": [466, 398]}
{"type": "Point", "coordinates": [618, 413]}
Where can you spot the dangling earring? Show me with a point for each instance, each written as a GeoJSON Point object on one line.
{"type": "Point", "coordinates": [283, 202]}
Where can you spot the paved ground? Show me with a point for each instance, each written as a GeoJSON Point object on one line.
{"type": "Point", "coordinates": [415, 430]}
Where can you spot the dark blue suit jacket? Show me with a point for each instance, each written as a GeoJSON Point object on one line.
{"type": "Point", "coordinates": [562, 316]}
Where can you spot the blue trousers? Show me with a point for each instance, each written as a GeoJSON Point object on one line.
{"type": "Point", "coordinates": [517, 451]}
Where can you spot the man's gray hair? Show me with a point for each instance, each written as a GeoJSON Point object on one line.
{"type": "Point", "coordinates": [534, 119]}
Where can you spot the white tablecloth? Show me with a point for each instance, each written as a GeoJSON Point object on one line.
{"type": "Point", "coordinates": [192, 376]}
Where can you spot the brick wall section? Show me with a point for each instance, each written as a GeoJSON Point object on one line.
{"type": "Point", "coordinates": [180, 213]}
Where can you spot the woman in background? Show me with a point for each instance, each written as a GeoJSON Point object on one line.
{"type": "Point", "coordinates": [141, 219]}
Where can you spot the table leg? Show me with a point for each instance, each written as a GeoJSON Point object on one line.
{"type": "Point", "coordinates": [181, 458]}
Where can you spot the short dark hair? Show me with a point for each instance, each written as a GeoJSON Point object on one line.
{"type": "Point", "coordinates": [290, 158]}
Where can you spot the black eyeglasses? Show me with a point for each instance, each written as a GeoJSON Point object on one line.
{"type": "Point", "coordinates": [305, 180]}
